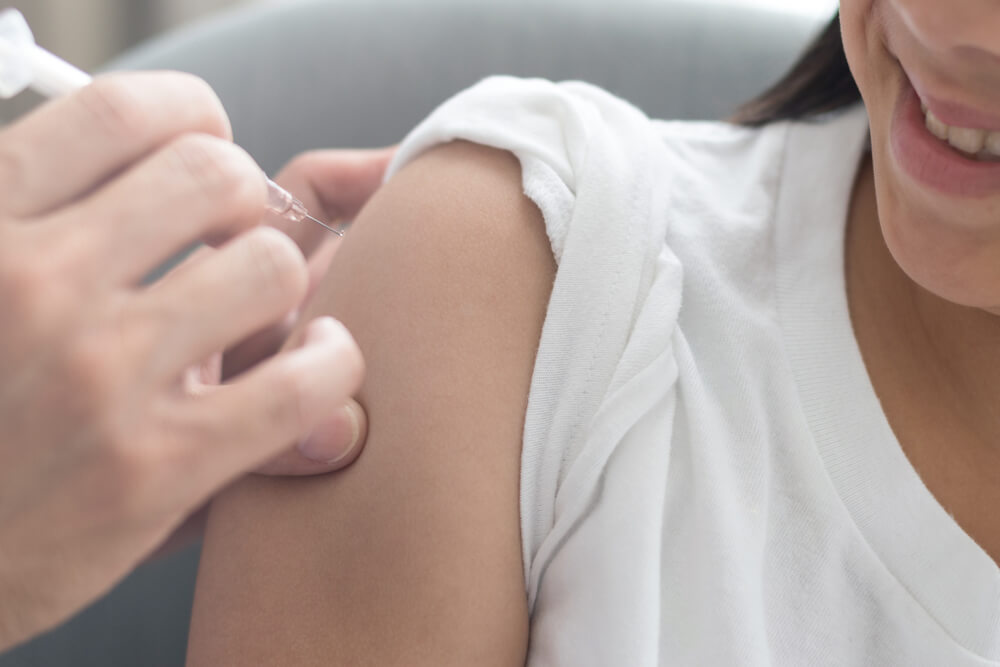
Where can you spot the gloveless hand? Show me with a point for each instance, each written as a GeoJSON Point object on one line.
{"type": "Point", "coordinates": [334, 184]}
{"type": "Point", "coordinates": [109, 435]}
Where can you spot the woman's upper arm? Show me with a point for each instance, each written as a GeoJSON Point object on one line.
{"type": "Point", "coordinates": [412, 556]}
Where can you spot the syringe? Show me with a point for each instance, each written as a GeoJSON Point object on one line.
{"type": "Point", "coordinates": [24, 64]}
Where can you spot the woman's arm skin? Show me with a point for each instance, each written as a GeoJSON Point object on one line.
{"type": "Point", "coordinates": [412, 556]}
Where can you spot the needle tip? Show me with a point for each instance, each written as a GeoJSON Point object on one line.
{"type": "Point", "coordinates": [323, 224]}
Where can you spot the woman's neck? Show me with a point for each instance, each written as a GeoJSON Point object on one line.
{"type": "Point", "coordinates": [935, 367]}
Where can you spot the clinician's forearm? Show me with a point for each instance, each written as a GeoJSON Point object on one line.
{"type": "Point", "coordinates": [412, 556]}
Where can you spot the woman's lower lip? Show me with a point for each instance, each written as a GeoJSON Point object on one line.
{"type": "Point", "coordinates": [932, 162]}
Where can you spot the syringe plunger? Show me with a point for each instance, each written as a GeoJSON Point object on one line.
{"type": "Point", "coordinates": [24, 64]}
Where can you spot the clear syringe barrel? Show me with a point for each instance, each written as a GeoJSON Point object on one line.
{"type": "Point", "coordinates": [282, 203]}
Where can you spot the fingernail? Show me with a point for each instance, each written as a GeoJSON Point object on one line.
{"type": "Point", "coordinates": [326, 443]}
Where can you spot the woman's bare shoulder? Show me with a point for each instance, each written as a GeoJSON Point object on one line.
{"type": "Point", "coordinates": [412, 556]}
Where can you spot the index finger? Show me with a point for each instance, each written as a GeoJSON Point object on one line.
{"type": "Point", "coordinates": [69, 146]}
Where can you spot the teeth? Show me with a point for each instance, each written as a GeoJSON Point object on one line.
{"type": "Point", "coordinates": [977, 143]}
{"type": "Point", "coordinates": [993, 143]}
{"type": "Point", "coordinates": [966, 140]}
{"type": "Point", "coordinates": [937, 128]}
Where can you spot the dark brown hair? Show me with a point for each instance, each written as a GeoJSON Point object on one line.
{"type": "Point", "coordinates": [819, 82]}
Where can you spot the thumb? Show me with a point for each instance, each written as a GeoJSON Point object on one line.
{"type": "Point", "coordinates": [333, 445]}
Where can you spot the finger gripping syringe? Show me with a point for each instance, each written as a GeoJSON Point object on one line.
{"type": "Point", "coordinates": [24, 64]}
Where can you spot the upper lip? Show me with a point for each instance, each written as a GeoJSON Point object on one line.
{"type": "Point", "coordinates": [955, 114]}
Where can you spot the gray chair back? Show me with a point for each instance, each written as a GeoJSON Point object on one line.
{"type": "Point", "coordinates": [358, 73]}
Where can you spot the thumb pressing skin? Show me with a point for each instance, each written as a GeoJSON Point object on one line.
{"type": "Point", "coordinates": [334, 444]}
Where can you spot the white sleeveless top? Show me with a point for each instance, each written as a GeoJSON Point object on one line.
{"type": "Point", "coordinates": [707, 476]}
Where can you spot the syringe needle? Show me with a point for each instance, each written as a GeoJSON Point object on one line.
{"type": "Point", "coordinates": [323, 224]}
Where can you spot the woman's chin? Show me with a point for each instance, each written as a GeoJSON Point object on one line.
{"type": "Point", "coordinates": [948, 260]}
{"type": "Point", "coordinates": [949, 246]}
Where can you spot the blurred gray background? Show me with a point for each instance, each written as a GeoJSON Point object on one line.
{"type": "Point", "coordinates": [89, 33]}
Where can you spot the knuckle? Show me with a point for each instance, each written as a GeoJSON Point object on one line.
{"type": "Point", "coordinates": [88, 369]}
{"type": "Point", "coordinates": [131, 332]}
{"type": "Point", "coordinates": [116, 106]}
{"type": "Point", "coordinates": [222, 173]}
{"type": "Point", "coordinates": [196, 91]}
{"type": "Point", "coordinates": [27, 289]}
{"type": "Point", "coordinates": [204, 159]}
{"type": "Point", "coordinates": [277, 264]}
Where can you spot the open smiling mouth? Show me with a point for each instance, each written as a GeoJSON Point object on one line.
{"type": "Point", "coordinates": [956, 161]}
{"type": "Point", "coordinates": [983, 145]}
